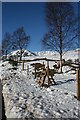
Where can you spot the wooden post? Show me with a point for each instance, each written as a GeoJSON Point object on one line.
{"type": "Point", "coordinates": [17, 58]}
{"type": "Point", "coordinates": [23, 65]}
{"type": "Point", "coordinates": [47, 63]}
{"type": "Point", "coordinates": [47, 70]}
{"type": "Point", "coordinates": [43, 67]}
{"type": "Point", "coordinates": [27, 69]}
{"type": "Point", "coordinates": [34, 71]}
{"type": "Point", "coordinates": [43, 63]}
{"type": "Point", "coordinates": [78, 83]}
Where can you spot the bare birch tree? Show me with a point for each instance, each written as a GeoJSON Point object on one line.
{"type": "Point", "coordinates": [20, 40]}
{"type": "Point", "coordinates": [62, 28]}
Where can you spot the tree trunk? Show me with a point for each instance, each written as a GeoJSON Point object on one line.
{"type": "Point", "coordinates": [60, 63]}
{"type": "Point", "coordinates": [20, 55]}
{"type": "Point", "coordinates": [6, 54]}
{"type": "Point", "coordinates": [60, 38]}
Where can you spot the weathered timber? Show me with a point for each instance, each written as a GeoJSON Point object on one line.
{"type": "Point", "coordinates": [37, 59]}
{"type": "Point", "coordinates": [27, 69]}
{"type": "Point", "coordinates": [35, 71]}
{"type": "Point", "coordinates": [78, 83]}
{"type": "Point", "coordinates": [23, 65]}
{"type": "Point", "coordinates": [37, 66]}
{"type": "Point", "coordinates": [46, 73]}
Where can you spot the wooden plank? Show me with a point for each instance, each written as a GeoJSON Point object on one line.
{"type": "Point", "coordinates": [37, 59]}
{"type": "Point", "coordinates": [38, 65]}
{"type": "Point", "coordinates": [47, 72]}
{"type": "Point", "coordinates": [78, 83]}
{"type": "Point", "coordinates": [35, 71]}
{"type": "Point", "coordinates": [22, 65]}
{"type": "Point", "coordinates": [27, 69]}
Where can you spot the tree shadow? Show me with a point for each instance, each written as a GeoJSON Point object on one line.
{"type": "Point", "coordinates": [63, 82]}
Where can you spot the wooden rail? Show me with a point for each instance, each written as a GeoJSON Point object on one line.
{"type": "Point", "coordinates": [37, 59]}
{"type": "Point", "coordinates": [75, 65]}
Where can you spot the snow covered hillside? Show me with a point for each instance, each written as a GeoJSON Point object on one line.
{"type": "Point", "coordinates": [25, 53]}
{"type": "Point", "coordinates": [72, 54]}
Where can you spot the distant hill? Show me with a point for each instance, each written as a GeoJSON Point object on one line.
{"type": "Point", "coordinates": [71, 54]}
{"type": "Point", "coordinates": [24, 54]}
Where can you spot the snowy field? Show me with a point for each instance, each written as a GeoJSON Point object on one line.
{"type": "Point", "coordinates": [24, 98]}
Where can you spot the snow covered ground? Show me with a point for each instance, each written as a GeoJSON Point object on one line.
{"type": "Point", "coordinates": [24, 98]}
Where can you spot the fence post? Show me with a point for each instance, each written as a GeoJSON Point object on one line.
{"type": "Point", "coordinates": [34, 71]}
{"type": "Point", "coordinates": [23, 65]}
{"type": "Point", "coordinates": [78, 83]}
{"type": "Point", "coordinates": [48, 72]}
{"type": "Point", "coordinates": [27, 69]}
